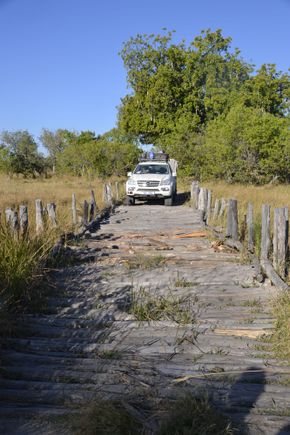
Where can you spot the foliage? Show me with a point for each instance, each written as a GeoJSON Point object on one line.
{"type": "Point", "coordinates": [247, 145]}
{"type": "Point", "coordinates": [19, 154]}
{"type": "Point", "coordinates": [184, 98]}
{"type": "Point", "coordinates": [106, 155]}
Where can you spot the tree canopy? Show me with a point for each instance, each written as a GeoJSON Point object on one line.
{"type": "Point", "coordinates": [180, 93]}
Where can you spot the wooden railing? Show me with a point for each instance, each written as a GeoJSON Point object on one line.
{"type": "Point", "coordinates": [274, 250]}
{"type": "Point", "coordinates": [18, 218]}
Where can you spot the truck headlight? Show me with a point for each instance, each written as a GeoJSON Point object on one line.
{"type": "Point", "coordinates": [165, 182]}
{"type": "Point", "coordinates": [131, 183]}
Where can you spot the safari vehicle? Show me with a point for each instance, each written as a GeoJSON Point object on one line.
{"type": "Point", "coordinates": [153, 177]}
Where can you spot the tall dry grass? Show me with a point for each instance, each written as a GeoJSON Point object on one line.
{"type": "Point", "coordinates": [15, 191]}
{"type": "Point", "coordinates": [274, 195]}
{"type": "Point", "coordinates": [22, 258]}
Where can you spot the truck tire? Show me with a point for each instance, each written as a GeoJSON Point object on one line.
{"type": "Point", "coordinates": [168, 201]}
{"type": "Point", "coordinates": [130, 200]}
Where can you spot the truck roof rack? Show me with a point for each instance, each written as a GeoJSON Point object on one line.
{"type": "Point", "coordinates": [154, 157]}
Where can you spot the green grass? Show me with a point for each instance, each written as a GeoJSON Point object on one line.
{"type": "Point", "coordinates": [188, 415]}
{"type": "Point", "coordinates": [280, 338]}
{"type": "Point", "coordinates": [21, 264]}
{"type": "Point", "coordinates": [194, 416]}
{"type": "Point", "coordinates": [141, 261]}
{"type": "Point", "coordinates": [148, 306]}
{"type": "Point", "coordinates": [105, 417]}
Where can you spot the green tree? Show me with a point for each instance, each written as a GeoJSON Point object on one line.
{"type": "Point", "coordinates": [55, 142]}
{"type": "Point", "coordinates": [177, 88]}
{"type": "Point", "coordinates": [23, 154]}
{"type": "Point", "coordinates": [247, 145]}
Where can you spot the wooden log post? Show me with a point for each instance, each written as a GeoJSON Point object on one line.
{"type": "Point", "coordinates": [280, 241]}
{"type": "Point", "coordinates": [93, 207]}
{"type": "Point", "coordinates": [216, 210]}
{"type": "Point", "coordinates": [74, 210]}
{"type": "Point", "coordinates": [23, 220]}
{"type": "Point", "coordinates": [51, 212]}
{"type": "Point", "coordinates": [250, 227]}
{"type": "Point", "coordinates": [8, 215]}
{"type": "Point", "coordinates": [208, 206]}
{"type": "Point", "coordinates": [202, 201]}
{"type": "Point", "coordinates": [232, 230]}
{"type": "Point", "coordinates": [265, 239]}
{"type": "Point", "coordinates": [224, 205]}
{"type": "Point", "coordinates": [105, 193]}
{"type": "Point", "coordinates": [39, 216]}
{"type": "Point", "coordinates": [108, 195]}
{"type": "Point", "coordinates": [117, 191]}
{"type": "Point", "coordinates": [14, 224]}
{"type": "Point", "coordinates": [85, 213]}
{"type": "Point", "coordinates": [194, 192]}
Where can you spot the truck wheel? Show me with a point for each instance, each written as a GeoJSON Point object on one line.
{"type": "Point", "coordinates": [130, 200]}
{"type": "Point", "coordinates": [168, 201]}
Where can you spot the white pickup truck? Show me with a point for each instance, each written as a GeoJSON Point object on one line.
{"type": "Point", "coordinates": [153, 177]}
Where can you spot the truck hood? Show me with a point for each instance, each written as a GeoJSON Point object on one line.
{"type": "Point", "coordinates": [149, 177]}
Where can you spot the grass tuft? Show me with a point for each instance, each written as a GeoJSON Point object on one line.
{"type": "Point", "coordinates": [194, 416]}
{"type": "Point", "coordinates": [148, 306]}
{"type": "Point", "coordinates": [21, 263]}
{"type": "Point", "coordinates": [145, 262]}
{"type": "Point", "coordinates": [281, 336]}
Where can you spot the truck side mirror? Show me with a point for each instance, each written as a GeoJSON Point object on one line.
{"type": "Point", "coordinates": [129, 174]}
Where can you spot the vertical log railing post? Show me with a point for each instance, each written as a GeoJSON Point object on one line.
{"type": "Point", "coordinates": [74, 210]}
{"type": "Point", "coordinates": [232, 220]}
{"type": "Point", "coordinates": [217, 207]}
{"type": "Point", "coordinates": [8, 215]}
{"type": "Point", "coordinates": [250, 227]}
{"type": "Point", "coordinates": [280, 241]}
{"type": "Point", "coordinates": [265, 239]}
{"type": "Point", "coordinates": [85, 213]}
{"type": "Point", "coordinates": [202, 201]}
{"type": "Point", "coordinates": [39, 216]}
{"type": "Point", "coordinates": [93, 207]}
{"type": "Point", "coordinates": [194, 192]}
{"type": "Point", "coordinates": [23, 220]}
{"type": "Point", "coordinates": [51, 211]}
{"type": "Point", "coordinates": [117, 191]}
{"type": "Point", "coordinates": [223, 207]}
{"type": "Point", "coordinates": [208, 206]}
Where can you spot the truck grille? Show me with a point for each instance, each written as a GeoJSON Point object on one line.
{"type": "Point", "coordinates": [148, 183]}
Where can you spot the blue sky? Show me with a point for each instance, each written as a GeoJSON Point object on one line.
{"type": "Point", "coordinates": [60, 66]}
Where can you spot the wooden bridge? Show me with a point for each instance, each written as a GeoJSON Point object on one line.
{"type": "Point", "coordinates": [99, 334]}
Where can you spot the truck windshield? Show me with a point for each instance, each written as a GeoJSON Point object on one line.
{"type": "Point", "coordinates": [151, 169]}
